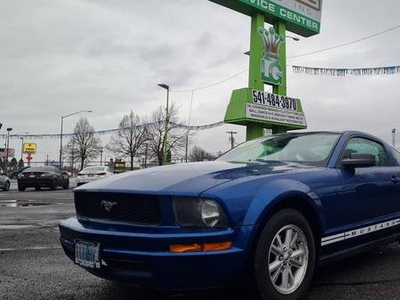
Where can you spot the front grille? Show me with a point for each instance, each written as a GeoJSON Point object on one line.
{"type": "Point", "coordinates": [119, 207]}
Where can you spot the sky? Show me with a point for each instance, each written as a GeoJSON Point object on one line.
{"type": "Point", "coordinates": [58, 57]}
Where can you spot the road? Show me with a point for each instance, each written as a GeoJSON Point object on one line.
{"type": "Point", "coordinates": [33, 265]}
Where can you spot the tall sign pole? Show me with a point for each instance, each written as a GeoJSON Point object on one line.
{"type": "Point", "coordinates": [281, 89]}
{"type": "Point", "coordinates": [256, 53]}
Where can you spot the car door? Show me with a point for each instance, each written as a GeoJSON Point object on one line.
{"type": "Point", "coordinates": [60, 176]}
{"type": "Point", "coordinates": [368, 198]}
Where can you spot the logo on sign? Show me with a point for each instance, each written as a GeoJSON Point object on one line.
{"type": "Point", "coordinates": [271, 69]}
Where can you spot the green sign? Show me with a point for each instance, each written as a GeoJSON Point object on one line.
{"type": "Point", "coordinates": [301, 16]}
{"type": "Point", "coordinates": [249, 106]}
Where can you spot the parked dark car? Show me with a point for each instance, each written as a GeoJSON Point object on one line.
{"type": "Point", "coordinates": [4, 181]}
{"type": "Point", "coordinates": [266, 213]}
{"type": "Point", "coordinates": [43, 176]}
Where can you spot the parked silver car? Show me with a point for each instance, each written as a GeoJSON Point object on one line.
{"type": "Point", "coordinates": [4, 181]}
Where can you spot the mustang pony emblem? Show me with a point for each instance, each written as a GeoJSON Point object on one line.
{"type": "Point", "coordinates": [107, 205]}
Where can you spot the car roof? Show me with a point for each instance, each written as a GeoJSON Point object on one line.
{"type": "Point", "coordinates": [94, 168]}
{"type": "Point", "coordinates": [341, 132]}
{"type": "Point", "coordinates": [40, 168]}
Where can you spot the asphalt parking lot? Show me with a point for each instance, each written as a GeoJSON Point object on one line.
{"type": "Point", "coordinates": [33, 265]}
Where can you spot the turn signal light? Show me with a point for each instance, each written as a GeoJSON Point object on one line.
{"type": "Point", "coordinates": [200, 247]}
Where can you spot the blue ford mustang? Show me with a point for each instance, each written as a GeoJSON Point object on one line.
{"type": "Point", "coordinates": [269, 211]}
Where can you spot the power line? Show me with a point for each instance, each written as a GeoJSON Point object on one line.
{"type": "Point", "coordinates": [210, 85]}
{"type": "Point", "coordinates": [349, 43]}
{"type": "Point", "coordinates": [294, 56]}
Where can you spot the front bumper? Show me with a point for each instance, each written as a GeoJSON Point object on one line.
{"type": "Point", "coordinates": [144, 259]}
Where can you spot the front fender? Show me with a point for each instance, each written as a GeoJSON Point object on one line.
{"type": "Point", "coordinates": [271, 194]}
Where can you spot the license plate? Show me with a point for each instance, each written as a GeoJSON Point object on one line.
{"type": "Point", "coordinates": [87, 254]}
{"type": "Point", "coordinates": [32, 176]}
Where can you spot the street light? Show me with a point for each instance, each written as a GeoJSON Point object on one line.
{"type": "Point", "coordinates": [294, 38]}
{"type": "Point", "coordinates": [231, 138]}
{"type": "Point", "coordinates": [22, 141]}
{"type": "Point", "coordinates": [7, 149]}
{"type": "Point", "coordinates": [164, 160]}
{"type": "Point", "coordinates": [22, 146]}
{"type": "Point", "coordinates": [61, 133]}
{"type": "Point", "coordinates": [188, 128]}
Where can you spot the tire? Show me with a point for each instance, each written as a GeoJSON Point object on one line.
{"type": "Point", "coordinates": [7, 186]}
{"type": "Point", "coordinates": [66, 185]}
{"type": "Point", "coordinates": [284, 259]}
{"type": "Point", "coordinates": [21, 188]}
{"type": "Point", "coordinates": [53, 185]}
{"type": "Point", "coordinates": [37, 188]}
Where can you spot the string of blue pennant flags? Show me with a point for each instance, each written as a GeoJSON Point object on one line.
{"type": "Point", "coordinates": [390, 70]}
{"type": "Point", "coordinates": [109, 131]}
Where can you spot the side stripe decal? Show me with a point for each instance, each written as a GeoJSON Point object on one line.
{"type": "Point", "coordinates": [358, 232]}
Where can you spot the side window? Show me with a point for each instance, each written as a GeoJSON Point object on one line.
{"type": "Point", "coordinates": [362, 145]}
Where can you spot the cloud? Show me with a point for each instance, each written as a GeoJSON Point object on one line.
{"type": "Point", "coordinates": [58, 57]}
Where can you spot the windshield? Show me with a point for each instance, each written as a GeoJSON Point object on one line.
{"type": "Point", "coordinates": [312, 148]}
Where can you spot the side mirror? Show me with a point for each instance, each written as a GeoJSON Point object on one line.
{"type": "Point", "coordinates": [359, 160]}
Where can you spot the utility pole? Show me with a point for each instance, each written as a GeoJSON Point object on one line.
{"type": "Point", "coordinates": [7, 149]}
{"type": "Point", "coordinates": [101, 156]}
{"type": "Point", "coordinates": [145, 156]}
{"type": "Point", "coordinates": [166, 121]}
{"type": "Point", "coordinates": [394, 137]}
{"type": "Point", "coordinates": [231, 138]}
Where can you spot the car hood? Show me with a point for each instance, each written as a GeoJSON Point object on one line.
{"type": "Point", "coordinates": [186, 178]}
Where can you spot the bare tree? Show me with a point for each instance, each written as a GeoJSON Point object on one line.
{"type": "Point", "coordinates": [21, 164]}
{"type": "Point", "coordinates": [83, 144]}
{"type": "Point", "coordinates": [130, 139]}
{"type": "Point", "coordinates": [175, 137]}
{"type": "Point", "coordinates": [199, 154]}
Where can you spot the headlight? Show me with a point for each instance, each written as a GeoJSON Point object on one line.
{"type": "Point", "coordinates": [199, 212]}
